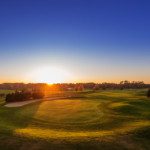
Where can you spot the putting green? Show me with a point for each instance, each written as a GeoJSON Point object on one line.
{"type": "Point", "coordinates": [102, 115]}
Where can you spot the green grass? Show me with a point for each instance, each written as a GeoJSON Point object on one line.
{"type": "Point", "coordinates": [108, 120]}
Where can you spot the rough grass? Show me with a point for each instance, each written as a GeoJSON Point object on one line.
{"type": "Point", "coordinates": [111, 119]}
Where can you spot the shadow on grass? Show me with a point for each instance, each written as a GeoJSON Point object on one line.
{"type": "Point", "coordinates": [14, 118]}
{"type": "Point", "coordinates": [19, 143]}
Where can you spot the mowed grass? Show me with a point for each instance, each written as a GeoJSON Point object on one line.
{"type": "Point", "coordinates": [108, 120]}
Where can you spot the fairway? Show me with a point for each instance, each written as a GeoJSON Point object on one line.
{"type": "Point", "coordinates": [116, 119]}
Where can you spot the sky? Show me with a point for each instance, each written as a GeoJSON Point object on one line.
{"type": "Point", "coordinates": [74, 40]}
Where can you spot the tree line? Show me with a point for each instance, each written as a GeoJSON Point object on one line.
{"type": "Point", "coordinates": [74, 86]}
{"type": "Point", "coordinates": [37, 90]}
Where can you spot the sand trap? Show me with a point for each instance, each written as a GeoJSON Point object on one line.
{"type": "Point", "coordinates": [19, 104]}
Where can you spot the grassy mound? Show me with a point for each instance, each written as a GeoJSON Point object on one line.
{"type": "Point", "coordinates": [116, 119]}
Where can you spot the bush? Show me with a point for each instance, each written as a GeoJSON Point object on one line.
{"type": "Point", "coordinates": [37, 95]}
{"type": "Point", "coordinates": [2, 95]}
{"type": "Point", "coordinates": [18, 96]}
{"type": "Point", "coordinates": [148, 93]}
{"type": "Point", "coordinates": [23, 96]}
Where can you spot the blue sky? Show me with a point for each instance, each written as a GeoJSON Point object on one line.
{"type": "Point", "coordinates": [94, 40]}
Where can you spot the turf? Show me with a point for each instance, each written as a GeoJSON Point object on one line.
{"type": "Point", "coordinates": [108, 120]}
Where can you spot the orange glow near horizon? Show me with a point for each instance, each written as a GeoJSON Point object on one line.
{"type": "Point", "coordinates": [49, 75]}
{"type": "Point", "coordinates": [56, 74]}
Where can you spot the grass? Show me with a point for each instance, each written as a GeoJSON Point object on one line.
{"type": "Point", "coordinates": [111, 119]}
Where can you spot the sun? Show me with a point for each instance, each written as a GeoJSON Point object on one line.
{"type": "Point", "coordinates": [46, 74]}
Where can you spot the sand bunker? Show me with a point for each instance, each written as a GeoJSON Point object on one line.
{"type": "Point", "coordinates": [19, 104]}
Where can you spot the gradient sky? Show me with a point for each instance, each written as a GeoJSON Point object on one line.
{"type": "Point", "coordinates": [93, 40]}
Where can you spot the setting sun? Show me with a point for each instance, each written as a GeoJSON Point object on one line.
{"type": "Point", "coordinates": [75, 74]}
{"type": "Point", "coordinates": [49, 75]}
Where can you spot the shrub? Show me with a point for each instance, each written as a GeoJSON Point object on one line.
{"type": "Point", "coordinates": [37, 95]}
{"type": "Point", "coordinates": [23, 96]}
{"type": "Point", "coordinates": [18, 96]}
{"type": "Point", "coordinates": [148, 93]}
{"type": "Point", "coordinates": [9, 97]}
{"type": "Point", "coordinates": [2, 95]}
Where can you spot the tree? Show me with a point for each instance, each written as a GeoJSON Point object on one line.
{"type": "Point", "coordinates": [96, 87]}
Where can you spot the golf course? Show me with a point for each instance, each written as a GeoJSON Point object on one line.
{"type": "Point", "coordinates": [103, 119]}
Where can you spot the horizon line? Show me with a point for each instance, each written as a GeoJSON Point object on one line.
{"type": "Point", "coordinates": [69, 82]}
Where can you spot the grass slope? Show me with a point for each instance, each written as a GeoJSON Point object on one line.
{"type": "Point", "coordinates": [117, 119]}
